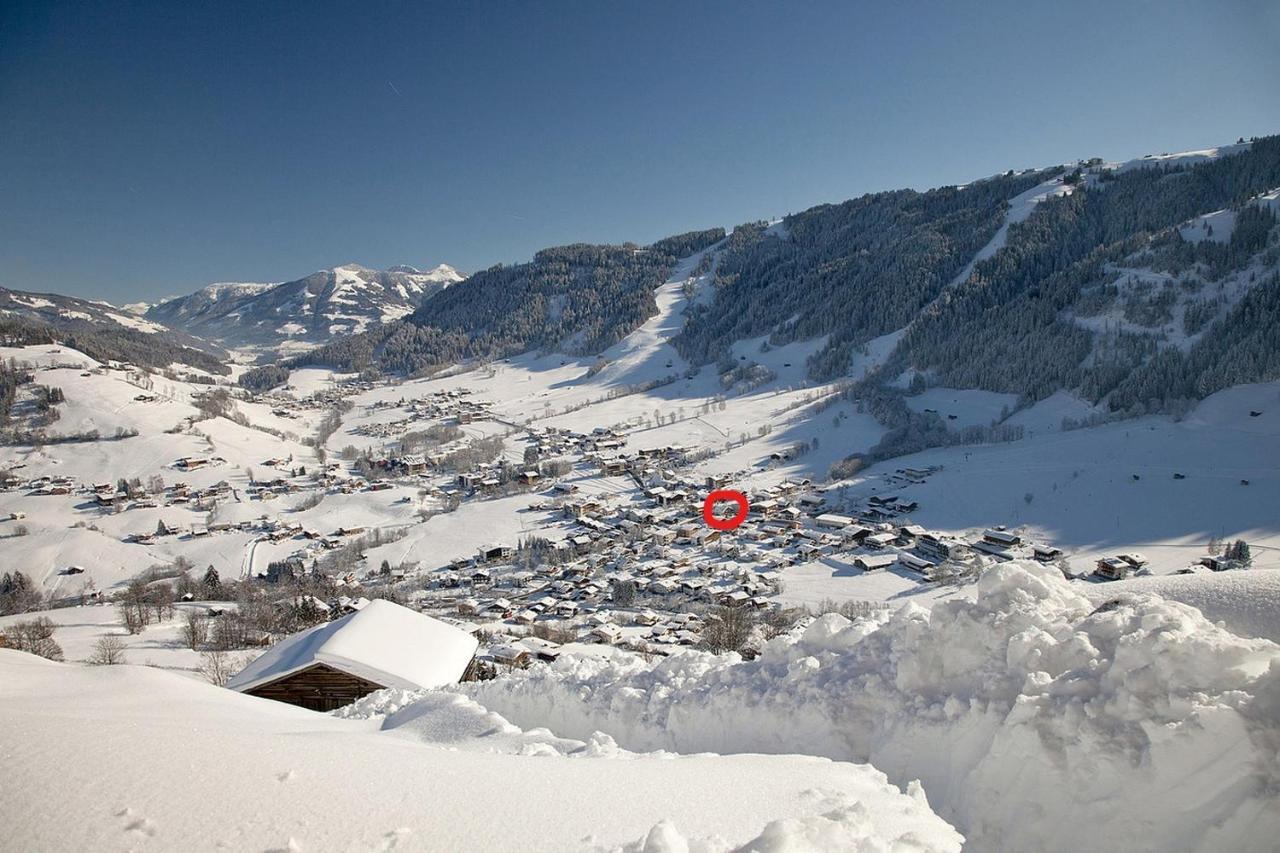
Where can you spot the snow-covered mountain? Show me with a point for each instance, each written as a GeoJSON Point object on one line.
{"type": "Point", "coordinates": [310, 310]}
{"type": "Point", "coordinates": [102, 329]}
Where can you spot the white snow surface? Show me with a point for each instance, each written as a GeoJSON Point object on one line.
{"type": "Point", "coordinates": [1246, 603]}
{"type": "Point", "coordinates": [382, 642]}
{"type": "Point", "coordinates": [157, 761]}
{"type": "Point", "coordinates": [1033, 719]}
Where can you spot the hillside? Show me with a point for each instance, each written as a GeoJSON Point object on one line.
{"type": "Point", "coordinates": [344, 300]}
{"type": "Point", "coordinates": [101, 330]}
{"type": "Point", "coordinates": [577, 299]}
{"type": "Point", "coordinates": [1141, 286]}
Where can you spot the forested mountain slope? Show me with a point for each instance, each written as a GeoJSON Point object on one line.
{"type": "Point", "coordinates": [1185, 311]}
{"type": "Point", "coordinates": [1140, 285]}
{"type": "Point", "coordinates": [580, 299]}
{"type": "Point", "coordinates": [1106, 279]}
{"type": "Point", "coordinates": [100, 330]}
{"type": "Point", "coordinates": [853, 271]}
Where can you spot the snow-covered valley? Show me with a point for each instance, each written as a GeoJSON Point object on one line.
{"type": "Point", "coordinates": [950, 616]}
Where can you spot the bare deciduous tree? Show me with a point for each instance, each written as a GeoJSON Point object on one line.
{"type": "Point", "coordinates": [108, 651]}
{"type": "Point", "coordinates": [195, 629]}
{"type": "Point", "coordinates": [727, 629]}
{"type": "Point", "coordinates": [35, 637]}
{"type": "Point", "coordinates": [218, 666]}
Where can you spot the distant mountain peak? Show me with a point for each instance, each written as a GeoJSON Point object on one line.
{"type": "Point", "coordinates": [305, 312]}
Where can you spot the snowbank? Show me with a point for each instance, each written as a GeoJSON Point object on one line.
{"type": "Point", "coordinates": [1033, 719]}
{"type": "Point", "coordinates": [126, 757]}
{"type": "Point", "coordinates": [1246, 603]}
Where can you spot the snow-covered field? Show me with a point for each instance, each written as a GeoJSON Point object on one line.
{"type": "Point", "coordinates": [157, 762]}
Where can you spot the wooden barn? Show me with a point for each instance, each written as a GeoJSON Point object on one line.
{"type": "Point", "coordinates": [335, 663]}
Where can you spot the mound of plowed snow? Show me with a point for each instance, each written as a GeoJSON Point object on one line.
{"type": "Point", "coordinates": [1035, 718]}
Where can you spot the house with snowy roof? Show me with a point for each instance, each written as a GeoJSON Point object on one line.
{"type": "Point", "coordinates": [378, 646]}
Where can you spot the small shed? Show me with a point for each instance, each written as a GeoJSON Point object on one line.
{"type": "Point", "coordinates": [335, 663]}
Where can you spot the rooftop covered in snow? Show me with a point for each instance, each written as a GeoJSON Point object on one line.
{"type": "Point", "coordinates": [383, 642]}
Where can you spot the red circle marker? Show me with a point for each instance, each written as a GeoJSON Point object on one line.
{"type": "Point", "coordinates": [724, 523]}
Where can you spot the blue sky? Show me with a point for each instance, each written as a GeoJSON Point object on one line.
{"type": "Point", "coordinates": [148, 149]}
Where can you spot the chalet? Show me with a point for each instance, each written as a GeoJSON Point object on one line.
{"type": "Point", "coordinates": [998, 551]}
{"type": "Point", "coordinates": [1001, 538]}
{"type": "Point", "coordinates": [1134, 559]}
{"type": "Point", "coordinates": [607, 633]}
{"type": "Point", "coordinates": [935, 547]}
{"type": "Point", "coordinates": [693, 586]}
{"type": "Point", "coordinates": [335, 663]}
{"type": "Point", "coordinates": [873, 562]}
{"type": "Point", "coordinates": [496, 552]}
{"type": "Point", "coordinates": [499, 608]}
{"type": "Point", "coordinates": [879, 540]}
{"type": "Point", "coordinates": [686, 637]}
{"type": "Point", "coordinates": [661, 586]}
{"type": "Point", "coordinates": [830, 519]}
{"type": "Point", "coordinates": [347, 604]}
{"type": "Point", "coordinates": [662, 535]}
{"type": "Point", "coordinates": [915, 564]}
{"type": "Point", "coordinates": [813, 500]}
{"type": "Point", "coordinates": [1045, 553]}
{"type": "Point", "coordinates": [613, 467]}
{"type": "Point", "coordinates": [645, 617]}
{"type": "Point", "coordinates": [543, 650]}
{"type": "Point", "coordinates": [511, 656]}
{"type": "Point", "coordinates": [1112, 568]}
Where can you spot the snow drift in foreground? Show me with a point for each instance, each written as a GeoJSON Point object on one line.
{"type": "Point", "coordinates": [126, 757]}
{"type": "Point", "coordinates": [1246, 603]}
{"type": "Point", "coordinates": [1035, 719]}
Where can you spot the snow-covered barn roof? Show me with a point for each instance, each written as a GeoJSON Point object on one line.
{"type": "Point", "coordinates": [382, 642]}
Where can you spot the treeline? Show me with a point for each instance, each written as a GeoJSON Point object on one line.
{"type": "Point", "coordinates": [12, 376]}
{"type": "Point", "coordinates": [853, 271]}
{"type": "Point", "coordinates": [264, 378]}
{"type": "Point", "coordinates": [683, 245]}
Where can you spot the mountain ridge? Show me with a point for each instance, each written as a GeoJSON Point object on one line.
{"type": "Point", "coordinates": [304, 312]}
